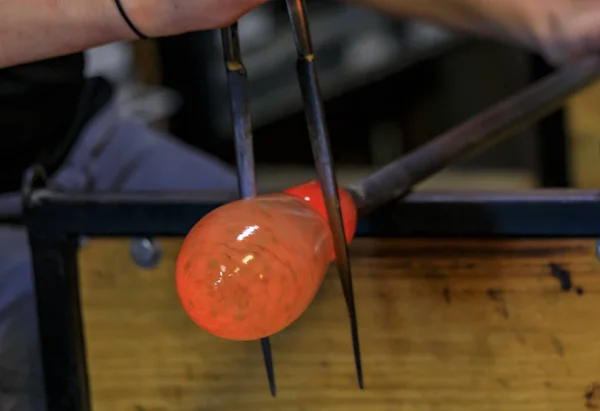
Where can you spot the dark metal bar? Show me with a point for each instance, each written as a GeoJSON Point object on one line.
{"type": "Point", "coordinates": [528, 213]}
{"type": "Point", "coordinates": [56, 282]}
{"type": "Point", "coordinates": [525, 214]}
{"type": "Point", "coordinates": [120, 214]}
{"type": "Point", "coordinates": [242, 129]}
{"type": "Point", "coordinates": [319, 138]}
{"type": "Point", "coordinates": [501, 120]}
{"type": "Point", "coordinates": [60, 324]}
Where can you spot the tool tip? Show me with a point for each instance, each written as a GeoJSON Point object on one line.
{"type": "Point", "coordinates": [266, 348]}
{"type": "Point", "coordinates": [359, 374]}
{"type": "Point", "coordinates": [356, 347]}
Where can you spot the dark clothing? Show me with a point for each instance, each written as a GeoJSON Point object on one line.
{"type": "Point", "coordinates": [43, 108]}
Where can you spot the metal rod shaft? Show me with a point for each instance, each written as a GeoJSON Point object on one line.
{"type": "Point", "coordinates": [242, 129]}
{"type": "Point", "coordinates": [499, 121]}
{"type": "Point", "coordinates": [319, 138]}
{"type": "Point", "coordinates": [240, 111]}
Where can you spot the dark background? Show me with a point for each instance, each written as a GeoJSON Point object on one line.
{"type": "Point", "coordinates": [389, 86]}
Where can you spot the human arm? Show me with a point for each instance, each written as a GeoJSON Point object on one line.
{"type": "Point", "coordinates": [39, 29]}
{"type": "Point", "coordinates": [561, 30]}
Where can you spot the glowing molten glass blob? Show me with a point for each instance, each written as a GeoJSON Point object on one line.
{"type": "Point", "coordinates": [311, 193]}
{"type": "Point", "coordinates": [250, 268]}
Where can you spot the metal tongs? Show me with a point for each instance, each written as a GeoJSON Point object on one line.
{"type": "Point", "coordinates": [319, 138]}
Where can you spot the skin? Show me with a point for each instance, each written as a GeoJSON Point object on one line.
{"type": "Point", "coordinates": [50, 28]}
{"type": "Point", "coordinates": [561, 30]}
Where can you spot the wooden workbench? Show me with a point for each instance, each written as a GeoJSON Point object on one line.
{"type": "Point", "coordinates": [446, 325]}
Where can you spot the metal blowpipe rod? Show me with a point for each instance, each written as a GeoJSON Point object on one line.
{"type": "Point", "coordinates": [242, 129]}
{"type": "Point", "coordinates": [499, 121]}
{"type": "Point", "coordinates": [319, 138]}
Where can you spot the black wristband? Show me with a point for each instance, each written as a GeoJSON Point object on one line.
{"type": "Point", "coordinates": [128, 21]}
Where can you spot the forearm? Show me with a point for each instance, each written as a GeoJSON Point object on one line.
{"type": "Point", "coordinates": [509, 20]}
{"type": "Point", "coordinates": [39, 29]}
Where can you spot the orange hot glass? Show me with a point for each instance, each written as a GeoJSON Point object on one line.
{"type": "Point", "coordinates": [250, 268]}
{"type": "Point", "coordinates": [311, 193]}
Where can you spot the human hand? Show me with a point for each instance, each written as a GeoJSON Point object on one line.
{"type": "Point", "coordinates": [565, 30]}
{"type": "Point", "coordinates": [560, 30]}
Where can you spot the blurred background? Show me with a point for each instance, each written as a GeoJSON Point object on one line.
{"type": "Point", "coordinates": [389, 86]}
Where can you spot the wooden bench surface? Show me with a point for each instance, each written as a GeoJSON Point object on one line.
{"type": "Point", "coordinates": [446, 325]}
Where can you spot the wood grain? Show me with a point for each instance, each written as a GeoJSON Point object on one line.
{"type": "Point", "coordinates": [446, 325]}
